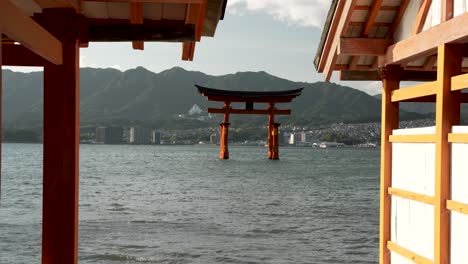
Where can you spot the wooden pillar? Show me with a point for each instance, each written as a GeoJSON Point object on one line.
{"type": "Point", "coordinates": [271, 121]}
{"type": "Point", "coordinates": [275, 142]}
{"type": "Point", "coordinates": [1, 104]}
{"type": "Point", "coordinates": [61, 144]}
{"type": "Point", "coordinates": [223, 141]}
{"type": "Point", "coordinates": [390, 76]}
{"type": "Point", "coordinates": [449, 61]}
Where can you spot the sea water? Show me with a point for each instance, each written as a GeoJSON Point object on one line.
{"type": "Point", "coordinates": [181, 204]}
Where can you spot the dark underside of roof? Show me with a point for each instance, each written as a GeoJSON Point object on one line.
{"type": "Point", "coordinates": [326, 29]}
{"type": "Point", "coordinates": [247, 94]}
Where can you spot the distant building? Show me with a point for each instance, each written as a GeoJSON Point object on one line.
{"type": "Point", "coordinates": [100, 134]}
{"type": "Point", "coordinates": [295, 138]}
{"type": "Point", "coordinates": [109, 135]}
{"type": "Point", "coordinates": [195, 110]}
{"type": "Point", "coordinates": [126, 135]}
{"type": "Point", "coordinates": [140, 136]}
{"type": "Point", "coordinates": [156, 137]}
{"type": "Point", "coordinates": [214, 139]}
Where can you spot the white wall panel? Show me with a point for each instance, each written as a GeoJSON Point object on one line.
{"type": "Point", "coordinates": [459, 181]}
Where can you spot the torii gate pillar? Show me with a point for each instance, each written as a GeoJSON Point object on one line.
{"type": "Point", "coordinates": [223, 141]}
{"type": "Point", "coordinates": [61, 143]}
{"type": "Point", "coordinates": [274, 142]}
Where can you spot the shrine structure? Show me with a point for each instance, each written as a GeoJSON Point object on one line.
{"type": "Point", "coordinates": [249, 98]}
{"type": "Point", "coordinates": [49, 34]}
{"type": "Point", "coordinates": [423, 183]}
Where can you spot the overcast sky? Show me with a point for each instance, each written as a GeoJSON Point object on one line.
{"type": "Point", "coordinates": [276, 36]}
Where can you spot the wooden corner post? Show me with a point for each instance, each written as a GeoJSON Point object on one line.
{"type": "Point", "coordinates": [449, 62]}
{"type": "Point", "coordinates": [390, 76]}
{"type": "Point", "coordinates": [61, 142]}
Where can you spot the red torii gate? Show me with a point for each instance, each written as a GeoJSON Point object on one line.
{"type": "Point", "coordinates": [249, 98]}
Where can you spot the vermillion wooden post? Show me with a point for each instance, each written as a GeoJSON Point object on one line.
{"type": "Point", "coordinates": [391, 81]}
{"type": "Point", "coordinates": [275, 142]}
{"type": "Point", "coordinates": [1, 92]}
{"type": "Point", "coordinates": [61, 146]}
{"type": "Point", "coordinates": [223, 146]}
{"type": "Point", "coordinates": [224, 133]}
{"type": "Point", "coordinates": [449, 61]}
{"type": "Point", "coordinates": [271, 120]}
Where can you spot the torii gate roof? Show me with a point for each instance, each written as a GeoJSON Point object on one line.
{"type": "Point", "coordinates": [285, 96]}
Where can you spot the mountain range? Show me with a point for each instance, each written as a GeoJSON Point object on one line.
{"type": "Point", "coordinates": [142, 97]}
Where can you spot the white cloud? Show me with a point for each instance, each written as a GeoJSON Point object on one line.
{"type": "Point", "coordinates": [310, 13]}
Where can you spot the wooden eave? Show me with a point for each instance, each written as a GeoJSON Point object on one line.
{"type": "Point", "coordinates": [134, 21]}
{"type": "Point", "coordinates": [360, 36]}
{"type": "Point", "coordinates": [249, 96]}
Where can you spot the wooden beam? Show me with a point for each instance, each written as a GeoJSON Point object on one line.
{"type": "Point", "coordinates": [458, 138]}
{"type": "Point", "coordinates": [426, 43]}
{"type": "Point", "coordinates": [150, 1]}
{"type": "Point", "coordinates": [446, 10]}
{"type": "Point", "coordinates": [420, 90]}
{"type": "Point", "coordinates": [363, 46]}
{"type": "Point", "coordinates": [353, 65]}
{"type": "Point", "coordinates": [249, 112]}
{"type": "Point", "coordinates": [372, 16]}
{"type": "Point", "coordinates": [201, 20]}
{"type": "Point", "coordinates": [459, 82]}
{"type": "Point", "coordinates": [408, 254]}
{"type": "Point", "coordinates": [423, 138]}
{"type": "Point", "coordinates": [462, 208]}
{"type": "Point", "coordinates": [76, 4]}
{"type": "Point", "coordinates": [397, 19]}
{"type": "Point", "coordinates": [340, 28]}
{"type": "Point", "coordinates": [331, 35]}
{"type": "Point", "coordinates": [447, 115]}
{"type": "Point", "coordinates": [188, 50]}
{"type": "Point", "coordinates": [136, 17]}
{"type": "Point", "coordinates": [390, 118]}
{"type": "Point", "coordinates": [429, 63]}
{"type": "Point", "coordinates": [126, 32]}
{"type": "Point", "coordinates": [382, 8]}
{"type": "Point", "coordinates": [421, 16]}
{"type": "Point", "coordinates": [18, 55]}
{"type": "Point", "coordinates": [369, 75]}
{"type": "Point", "coordinates": [21, 28]}
{"type": "Point", "coordinates": [422, 198]}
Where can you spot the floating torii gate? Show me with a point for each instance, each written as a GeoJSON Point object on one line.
{"type": "Point", "coordinates": [249, 98]}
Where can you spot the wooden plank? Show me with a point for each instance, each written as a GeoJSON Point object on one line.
{"type": "Point", "coordinates": [426, 43]}
{"type": "Point", "coordinates": [76, 4]}
{"type": "Point", "coordinates": [411, 196]}
{"type": "Point", "coordinates": [201, 20]}
{"type": "Point", "coordinates": [408, 254]}
{"type": "Point", "coordinates": [372, 75]}
{"type": "Point", "coordinates": [382, 8]}
{"type": "Point", "coordinates": [249, 112]}
{"type": "Point", "coordinates": [421, 16]}
{"type": "Point", "coordinates": [420, 90]}
{"type": "Point", "coordinates": [446, 10]}
{"type": "Point", "coordinates": [447, 115]}
{"type": "Point", "coordinates": [332, 54]}
{"type": "Point", "coordinates": [21, 28]}
{"type": "Point", "coordinates": [136, 17]}
{"type": "Point", "coordinates": [372, 16]}
{"type": "Point", "coordinates": [397, 19]}
{"type": "Point", "coordinates": [363, 46]}
{"type": "Point", "coordinates": [422, 138]}
{"type": "Point", "coordinates": [390, 118]}
{"type": "Point", "coordinates": [188, 50]}
{"type": "Point", "coordinates": [457, 207]}
{"type": "Point", "coordinates": [458, 138]}
{"type": "Point", "coordinates": [18, 55]}
{"type": "Point", "coordinates": [459, 82]}
{"type": "Point", "coordinates": [146, 32]}
{"type": "Point", "coordinates": [150, 1]}
{"type": "Point", "coordinates": [331, 35]}
{"type": "Point", "coordinates": [429, 63]}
